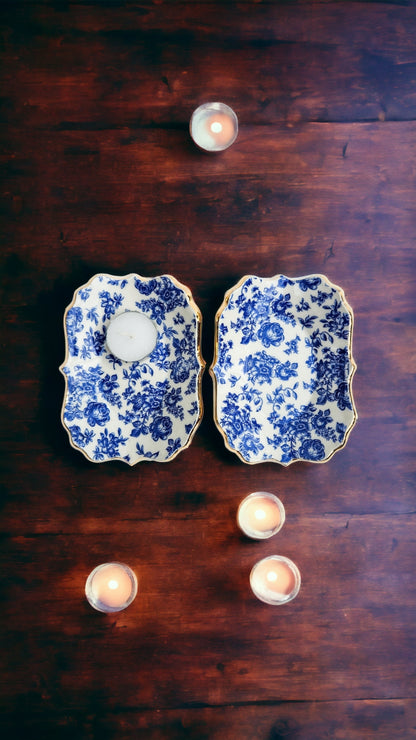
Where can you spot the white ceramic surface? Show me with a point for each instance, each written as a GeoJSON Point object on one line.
{"type": "Point", "coordinates": [132, 411]}
{"type": "Point", "coordinates": [283, 369]}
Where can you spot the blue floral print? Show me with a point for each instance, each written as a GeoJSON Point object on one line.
{"type": "Point", "coordinates": [263, 367]}
{"type": "Point", "coordinates": [132, 411]}
{"type": "Point", "coordinates": [283, 369]}
{"type": "Point", "coordinates": [97, 413]}
{"type": "Point", "coordinates": [163, 298]}
{"type": "Point", "coordinates": [74, 326]}
{"type": "Point", "coordinates": [108, 445]}
{"type": "Point", "coordinates": [161, 427]}
{"type": "Point", "coordinates": [270, 333]}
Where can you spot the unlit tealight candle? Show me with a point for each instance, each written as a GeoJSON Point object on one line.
{"type": "Point", "coordinates": [131, 336]}
{"type": "Point", "coordinates": [261, 515]}
{"type": "Point", "coordinates": [111, 587]}
{"type": "Point", "coordinates": [275, 580]}
{"type": "Point", "coordinates": [214, 126]}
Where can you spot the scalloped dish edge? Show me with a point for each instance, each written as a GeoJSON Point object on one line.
{"type": "Point", "coordinates": [353, 368]}
{"type": "Point", "coordinates": [202, 363]}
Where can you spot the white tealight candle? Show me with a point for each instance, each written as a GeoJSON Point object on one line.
{"type": "Point", "coordinates": [261, 515]}
{"type": "Point", "coordinates": [131, 336]}
{"type": "Point", "coordinates": [111, 587]}
{"type": "Point", "coordinates": [214, 126]}
{"type": "Point", "coordinates": [275, 580]}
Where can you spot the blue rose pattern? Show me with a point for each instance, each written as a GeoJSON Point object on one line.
{"type": "Point", "coordinates": [283, 369]}
{"type": "Point", "coordinates": [139, 410]}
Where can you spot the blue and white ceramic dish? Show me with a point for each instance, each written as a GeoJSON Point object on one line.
{"type": "Point", "coordinates": [283, 369]}
{"type": "Point", "coordinates": [132, 411]}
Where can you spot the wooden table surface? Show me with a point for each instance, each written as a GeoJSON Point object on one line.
{"type": "Point", "coordinates": [100, 175]}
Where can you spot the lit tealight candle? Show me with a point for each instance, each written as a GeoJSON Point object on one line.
{"type": "Point", "coordinates": [275, 580]}
{"type": "Point", "coordinates": [131, 336]}
{"type": "Point", "coordinates": [214, 126]}
{"type": "Point", "coordinates": [111, 587]}
{"type": "Point", "coordinates": [261, 515]}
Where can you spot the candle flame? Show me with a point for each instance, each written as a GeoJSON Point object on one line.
{"type": "Point", "coordinates": [271, 576]}
{"type": "Point", "coordinates": [260, 514]}
{"type": "Point", "coordinates": [113, 585]}
{"type": "Point", "coordinates": [216, 127]}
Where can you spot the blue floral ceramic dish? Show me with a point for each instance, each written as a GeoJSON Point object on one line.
{"type": "Point", "coordinates": [283, 369]}
{"type": "Point", "coordinates": [132, 411]}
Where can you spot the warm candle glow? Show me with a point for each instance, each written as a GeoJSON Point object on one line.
{"type": "Point", "coordinates": [222, 129]}
{"type": "Point", "coordinates": [111, 587]}
{"type": "Point", "coordinates": [275, 580]}
{"type": "Point", "coordinates": [261, 515]}
{"type": "Point", "coordinates": [214, 126]}
{"type": "Point", "coordinates": [278, 575]}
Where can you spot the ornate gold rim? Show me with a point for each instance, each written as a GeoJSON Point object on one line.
{"type": "Point", "coordinates": [353, 369]}
{"type": "Point", "coordinates": [201, 361]}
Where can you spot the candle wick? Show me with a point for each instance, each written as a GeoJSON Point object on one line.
{"type": "Point", "coordinates": [113, 585]}
{"type": "Point", "coordinates": [216, 127]}
{"type": "Point", "coordinates": [260, 514]}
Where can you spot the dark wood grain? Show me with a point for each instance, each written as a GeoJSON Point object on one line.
{"type": "Point", "coordinates": [99, 175]}
{"type": "Point", "coordinates": [147, 63]}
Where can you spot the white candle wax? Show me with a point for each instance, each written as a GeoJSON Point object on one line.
{"type": "Point", "coordinates": [131, 336]}
{"type": "Point", "coordinates": [214, 126]}
{"type": "Point", "coordinates": [275, 580]}
{"type": "Point", "coordinates": [261, 515]}
{"type": "Point", "coordinates": [111, 587]}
